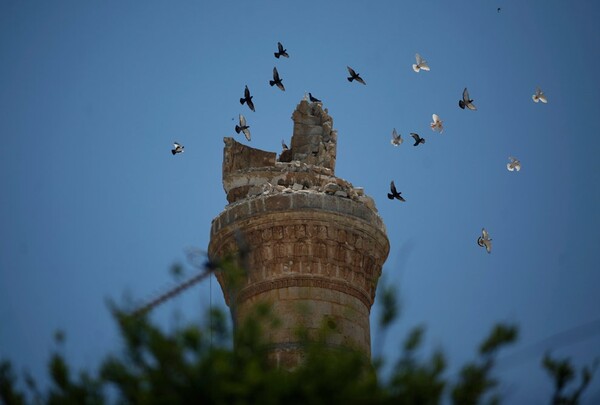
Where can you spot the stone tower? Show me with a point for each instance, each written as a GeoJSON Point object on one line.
{"type": "Point", "coordinates": [316, 243]}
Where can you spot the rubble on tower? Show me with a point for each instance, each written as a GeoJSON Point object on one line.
{"type": "Point", "coordinates": [308, 166]}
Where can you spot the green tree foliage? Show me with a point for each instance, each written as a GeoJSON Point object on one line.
{"type": "Point", "coordinates": [196, 364]}
{"type": "Point", "coordinates": [562, 373]}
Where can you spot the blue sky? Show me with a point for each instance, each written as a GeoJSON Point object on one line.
{"type": "Point", "coordinates": [94, 206]}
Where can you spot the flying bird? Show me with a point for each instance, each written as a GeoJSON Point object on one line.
{"type": "Point", "coordinates": [281, 51]}
{"type": "Point", "coordinates": [485, 240]}
{"type": "Point", "coordinates": [283, 145]}
{"type": "Point", "coordinates": [354, 76]}
{"type": "Point", "coordinates": [313, 99]}
{"type": "Point", "coordinates": [276, 80]}
{"type": "Point", "coordinates": [539, 96]}
{"type": "Point", "coordinates": [395, 194]}
{"type": "Point", "coordinates": [243, 127]}
{"type": "Point", "coordinates": [436, 125]}
{"type": "Point", "coordinates": [177, 148]}
{"type": "Point", "coordinates": [421, 64]}
{"type": "Point", "coordinates": [499, 9]}
{"type": "Point", "coordinates": [417, 138]}
{"type": "Point", "coordinates": [466, 101]}
{"type": "Point", "coordinates": [247, 99]}
{"type": "Point", "coordinates": [515, 164]}
{"type": "Point", "coordinates": [396, 138]}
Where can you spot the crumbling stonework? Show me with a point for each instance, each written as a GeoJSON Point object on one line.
{"type": "Point", "coordinates": [316, 243]}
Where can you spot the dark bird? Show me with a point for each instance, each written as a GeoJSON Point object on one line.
{"type": "Point", "coordinates": [354, 76]}
{"type": "Point", "coordinates": [243, 127]}
{"type": "Point", "coordinates": [281, 51]}
{"type": "Point", "coordinates": [283, 145]}
{"type": "Point", "coordinates": [313, 99]}
{"type": "Point", "coordinates": [499, 9]}
{"type": "Point", "coordinates": [276, 80]}
{"type": "Point", "coordinates": [394, 193]}
{"type": "Point", "coordinates": [247, 99]}
{"type": "Point", "coordinates": [466, 101]}
{"type": "Point", "coordinates": [177, 148]}
{"type": "Point", "coordinates": [417, 138]}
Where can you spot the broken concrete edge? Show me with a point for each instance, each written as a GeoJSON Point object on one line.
{"type": "Point", "coordinates": [290, 200]}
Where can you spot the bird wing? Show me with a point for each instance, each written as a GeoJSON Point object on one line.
{"type": "Point", "coordinates": [275, 74]}
{"type": "Point", "coordinates": [416, 137]}
{"type": "Point", "coordinates": [393, 188]}
{"type": "Point", "coordinates": [351, 71]}
{"type": "Point", "coordinates": [542, 98]}
{"type": "Point", "coordinates": [416, 68]}
{"type": "Point", "coordinates": [517, 165]}
{"type": "Point", "coordinates": [488, 245]}
{"type": "Point", "coordinates": [360, 80]}
{"type": "Point", "coordinates": [280, 47]}
{"type": "Point", "coordinates": [246, 132]}
{"type": "Point", "coordinates": [435, 118]}
{"type": "Point", "coordinates": [246, 93]}
{"type": "Point", "coordinates": [484, 233]}
{"type": "Point", "coordinates": [250, 104]}
{"type": "Point", "coordinates": [419, 59]}
{"type": "Point", "coordinates": [242, 121]}
{"type": "Point", "coordinates": [510, 167]}
{"type": "Point", "coordinates": [466, 96]}
{"type": "Point", "coordinates": [480, 241]}
{"type": "Point", "coordinates": [425, 66]}
{"type": "Point", "coordinates": [176, 145]}
{"type": "Point", "coordinates": [395, 134]}
{"type": "Point", "coordinates": [471, 106]}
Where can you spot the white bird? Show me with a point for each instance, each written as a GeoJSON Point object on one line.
{"type": "Point", "coordinates": [420, 65]}
{"type": "Point", "coordinates": [177, 148]}
{"type": "Point", "coordinates": [436, 125]}
{"type": "Point", "coordinates": [539, 96]}
{"type": "Point", "coordinates": [515, 164]}
{"type": "Point", "coordinates": [485, 240]}
{"type": "Point", "coordinates": [396, 138]}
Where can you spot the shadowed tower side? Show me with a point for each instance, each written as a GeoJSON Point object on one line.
{"type": "Point", "coordinates": [316, 244]}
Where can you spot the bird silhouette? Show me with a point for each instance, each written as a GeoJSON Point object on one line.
{"type": "Point", "coordinates": [396, 138]}
{"type": "Point", "coordinates": [243, 127]}
{"type": "Point", "coordinates": [485, 241]}
{"type": "Point", "coordinates": [313, 99]}
{"type": "Point", "coordinates": [395, 194]}
{"type": "Point", "coordinates": [436, 125]}
{"type": "Point", "coordinates": [283, 145]}
{"type": "Point", "coordinates": [417, 139]}
{"type": "Point", "coordinates": [276, 80]}
{"type": "Point", "coordinates": [421, 64]}
{"type": "Point", "coordinates": [466, 101]}
{"type": "Point", "coordinates": [515, 164]}
{"type": "Point", "coordinates": [539, 96]}
{"type": "Point", "coordinates": [177, 148]}
{"type": "Point", "coordinates": [281, 51]}
{"type": "Point", "coordinates": [247, 99]}
{"type": "Point", "coordinates": [354, 76]}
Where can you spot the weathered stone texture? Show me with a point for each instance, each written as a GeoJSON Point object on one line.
{"type": "Point", "coordinates": [316, 243]}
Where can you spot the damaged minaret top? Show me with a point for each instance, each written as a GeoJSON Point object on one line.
{"type": "Point", "coordinates": [308, 166]}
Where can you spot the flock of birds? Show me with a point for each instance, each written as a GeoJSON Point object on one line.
{"type": "Point", "coordinates": [466, 102]}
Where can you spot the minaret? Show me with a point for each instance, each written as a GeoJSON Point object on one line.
{"type": "Point", "coordinates": [316, 244]}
